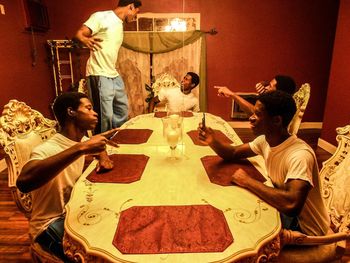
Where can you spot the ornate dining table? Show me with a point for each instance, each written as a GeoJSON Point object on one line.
{"type": "Point", "coordinates": [155, 207]}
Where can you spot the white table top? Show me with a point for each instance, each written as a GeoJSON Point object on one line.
{"type": "Point", "coordinates": [94, 208]}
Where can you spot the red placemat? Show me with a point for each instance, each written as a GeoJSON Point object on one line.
{"type": "Point", "coordinates": [172, 229]}
{"type": "Point", "coordinates": [220, 171]}
{"type": "Point", "coordinates": [161, 114]}
{"type": "Point", "coordinates": [219, 135]}
{"type": "Point", "coordinates": [128, 168]}
{"type": "Point", "coordinates": [132, 136]}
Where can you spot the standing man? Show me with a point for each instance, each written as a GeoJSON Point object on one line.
{"type": "Point", "coordinates": [102, 33]}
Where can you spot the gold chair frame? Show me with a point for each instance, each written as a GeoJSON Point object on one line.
{"type": "Point", "coordinates": [164, 81]}
{"type": "Point", "coordinates": [21, 129]}
{"type": "Point", "coordinates": [335, 178]}
{"type": "Point", "coordinates": [301, 98]}
{"type": "Point", "coordinates": [21, 123]}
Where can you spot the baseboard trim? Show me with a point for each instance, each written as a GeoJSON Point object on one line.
{"type": "Point", "coordinates": [326, 146]}
{"type": "Point", "coordinates": [303, 125]}
{"type": "Point", "coordinates": [3, 165]}
{"type": "Point", "coordinates": [239, 124]}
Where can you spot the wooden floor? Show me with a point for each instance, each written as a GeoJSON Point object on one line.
{"type": "Point", "coordinates": [14, 241]}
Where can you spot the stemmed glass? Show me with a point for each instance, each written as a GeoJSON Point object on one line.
{"type": "Point", "coordinates": [173, 136]}
{"type": "Point", "coordinates": [172, 131]}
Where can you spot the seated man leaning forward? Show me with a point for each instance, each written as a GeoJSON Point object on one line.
{"type": "Point", "coordinates": [179, 99]}
{"type": "Point", "coordinates": [57, 163]}
{"type": "Point", "coordinates": [279, 82]}
{"type": "Point", "coordinates": [290, 162]}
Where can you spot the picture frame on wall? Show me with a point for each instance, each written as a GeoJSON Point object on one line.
{"type": "Point", "coordinates": [36, 16]}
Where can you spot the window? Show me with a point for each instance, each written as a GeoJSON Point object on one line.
{"type": "Point", "coordinates": [236, 111]}
{"type": "Point", "coordinates": [165, 22]}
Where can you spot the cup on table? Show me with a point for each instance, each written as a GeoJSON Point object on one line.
{"type": "Point", "coordinates": [176, 122]}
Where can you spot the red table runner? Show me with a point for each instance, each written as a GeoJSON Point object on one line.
{"type": "Point", "coordinates": [161, 114]}
{"type": "Point", "coordinates": [172, 229]}
{"type": "Point", "coordinates": [128, 168]}
{"type": "Point", "coordinates": [219, 134]}
{"type": "Point", "coordinates": [220, 171]}
{"type": "Point", "coordinates": [132, 136]}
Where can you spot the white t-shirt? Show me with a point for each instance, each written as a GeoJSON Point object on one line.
{"type": "Point", "coordinates": [107, 26]}
{"type": "Point", "coordinates": [178, 101]}
{"type": "Point", "coordinates": [49, 200]}
{"type": "Point", "coordinates": [294, 159]}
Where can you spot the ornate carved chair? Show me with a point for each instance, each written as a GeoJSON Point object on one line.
{"type": "Point", "coordinates": [164, 81]}
{"type": "Point", "coordinates": [335, 178]}
{"type": "Point", "coordinates": [21, 129]}
{"type": "Point", "coordinates": [301, 98]}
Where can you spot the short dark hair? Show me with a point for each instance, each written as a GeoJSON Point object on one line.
{"type": "Point", "coordinates": [194, 78]}
{"type": "Point", "coordinates": [63, 102]}
{"type": "Point", "coordinates": [279, 103]}
{"type": "Point", "coordinates": [285, 83]}
{"type": "Point", "coordinates": [137, 3]}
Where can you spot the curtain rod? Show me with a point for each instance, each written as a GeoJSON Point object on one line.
{"type": "Point", "coordinates": [212, 31]}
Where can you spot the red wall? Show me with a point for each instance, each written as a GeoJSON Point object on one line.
{"type": "Point", "coordinates": [338, 97]}
{"type": "Point", "coordinates": [20, 79]}
{"type": "Point", "coordinates": [256, 40]}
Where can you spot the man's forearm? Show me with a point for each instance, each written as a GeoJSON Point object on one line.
{"type": "Point", "coordinates": [79, 35]}
{"type": "Point", "coordinates": [38, 172]}
{"type": "Point", "coordinates": [152, 104]}
{"type": "Point", "coordinates": [225, 151]}
{"type": "Point", "coordinates": [246, 106]}
{"type": "Point", "coordinates": [83, 34]}
{"type": "Point", "coordinates": [283, 200]}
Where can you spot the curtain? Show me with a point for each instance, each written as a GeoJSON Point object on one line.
{"type": "Point", "coordinates": [187, 52]}
{"type": "Point", "coordinates": [134, 69]}
{"type": "Point", "coordinates": [178, 62]}
{"type": "Point", "coordinates": [159, 42]}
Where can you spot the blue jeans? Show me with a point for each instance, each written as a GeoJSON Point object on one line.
{"type": "Point", "coordinates": [51, 239]}
{"type": "Point", "coordinates": [109, 100]}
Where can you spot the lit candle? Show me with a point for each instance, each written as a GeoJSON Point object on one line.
{"type": "Point", "coordinates": [172, 137]}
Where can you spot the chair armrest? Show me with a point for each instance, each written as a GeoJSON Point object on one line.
{"type": "Point", "coordinates": [289, 237]}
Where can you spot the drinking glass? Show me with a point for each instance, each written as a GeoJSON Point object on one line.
{"type": "Point", "coordinates": [172, 130]}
